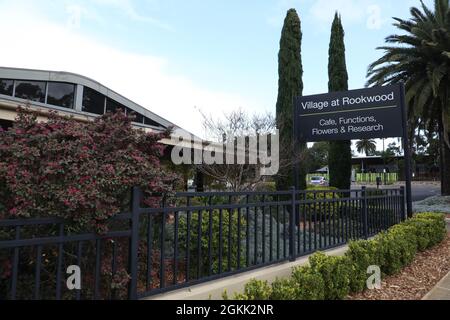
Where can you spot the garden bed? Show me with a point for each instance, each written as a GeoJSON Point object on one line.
{"type": "Point", "coordinates": [415, 280]}
{"type": "Point", "coordinates": [418, 246]}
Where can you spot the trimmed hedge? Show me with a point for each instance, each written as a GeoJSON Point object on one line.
{"type": "Point", "coordinates": [336, 274]}
{"type": "Point", "coordinates": [305, 284]}
{"type": "Point", "coordinates": [310, 283]}
{"type": "Point", "coordinates": [330, 277]}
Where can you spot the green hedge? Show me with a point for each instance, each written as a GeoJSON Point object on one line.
{"type": "Point", "coordinates": [330, 277]}
{"type": "Point", "coordinates": [305, 284]}
{"type": "Point", "coordinates": [336, 274]}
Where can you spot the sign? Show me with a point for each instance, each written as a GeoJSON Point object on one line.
{"type": "Point", "coordinates": [357, 114]}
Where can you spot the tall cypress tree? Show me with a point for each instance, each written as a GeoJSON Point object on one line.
{"type": "Point", "coordinates": [340, 155]}
{"type": "Point", "coordinates": [290, 85]}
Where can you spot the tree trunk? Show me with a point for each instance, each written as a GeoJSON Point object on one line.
{"type": "Point", "coordinates": [445, 168]}
{"type": "Point", "coordinates": [445, 162]}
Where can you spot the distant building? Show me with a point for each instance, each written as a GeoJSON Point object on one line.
{"type": "Point", "coordinates": [424, 169]}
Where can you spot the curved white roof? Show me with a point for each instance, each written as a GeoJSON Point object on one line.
{"type": "Point", "coordinates": [68, 77]}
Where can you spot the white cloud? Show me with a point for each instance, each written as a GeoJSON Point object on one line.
{"type": "Point", "coordinates": [128, 8]}
{"type": "Point", "coordinates": [37, 43]}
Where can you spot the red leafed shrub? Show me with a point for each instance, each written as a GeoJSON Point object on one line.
{"type": "Point", "coordinates": [80, 171]}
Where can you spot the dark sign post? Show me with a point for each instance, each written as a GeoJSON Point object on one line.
{"type": "Point", "coordinates": [377, 112]}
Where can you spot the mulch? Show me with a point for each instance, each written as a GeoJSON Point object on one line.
{"type": "Point", "coordinates": [416, 280]}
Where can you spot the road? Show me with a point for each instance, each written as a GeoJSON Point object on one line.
{"type": "Point", "coordinates": [423, 191]}
{"type": "Point", "coordinates": [420, 191]}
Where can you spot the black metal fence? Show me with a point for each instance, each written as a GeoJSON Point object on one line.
{"type": "Point", "coordinates": [190, 238]}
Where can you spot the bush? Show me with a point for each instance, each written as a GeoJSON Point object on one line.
{"type": "Point", "coordinates": [398, 247]}
{"type": "Point", "coordinates": [310, 285]}
{"type": "Point", "coordinates": [362, 254]}
{"type": "Point", "coordinates": [324, 194]}
{"type": "Point", "coordinates": [285, 289]}
{"type": "Point", "coordinates": [336, 273]}
{"type": "Point", "coordinates": [332, 278]}
{"type": "Point", "coordinates": [79, 171]}
{"type": "Point", "coordinates": [437, 230]}
{"type": "Point", "coordinates": [255, 290]}
{"type": "Point", "coordinates": [215, 241]}
{"type": "Point", "coordinates": [266, 187]}
{"type": "Point", "coordinates": [428, 232]}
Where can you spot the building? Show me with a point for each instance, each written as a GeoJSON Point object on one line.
{"type": "Point", "coordinates": [82, 98]}
{"type": "Point", "coordinates": [424, 167]}
{"type": "Point", "coordinates": [71, 95]}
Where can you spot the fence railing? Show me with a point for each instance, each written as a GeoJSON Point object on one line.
{"type": "Point", "coordinates": [190, 238]}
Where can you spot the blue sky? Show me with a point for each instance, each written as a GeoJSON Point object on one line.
{"type": "Point", "coordinates": [176, 56]}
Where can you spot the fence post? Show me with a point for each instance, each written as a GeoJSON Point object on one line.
{"type": "Point", "coordinates": [365, 213]}
{"type": "Point", "coordinates": [292, 226]}
{"type": "Point", "coordinates": [134, 243]}
{"type": "Point", "coordinates": [402, 205]}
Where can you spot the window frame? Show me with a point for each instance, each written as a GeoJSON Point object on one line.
{"type": "Point", "coordinates": [12, 91]}
{"type": "Point", "coordinates": [30, 81]}
{"type": "Point", "coordinates": [96, 92]}
{"type": "Point", "coordinates": [65, 83]}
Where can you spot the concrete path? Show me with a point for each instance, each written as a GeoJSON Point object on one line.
{"type": "Point", "coordinates": [441, 291]}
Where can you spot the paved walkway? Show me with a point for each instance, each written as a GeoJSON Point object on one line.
{"type": "Point", "coordinates": [442, 290]}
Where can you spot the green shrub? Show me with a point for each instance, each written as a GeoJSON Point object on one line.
{"type": "Point", "coordinates": [285, 289]}
{"type": "Point", "coordinates": [325, 193]}
{"type": "Point", "coordinates": [437, 230]}
{"type": "Point", "coordinates": [215, 241]}
{"type": "Point", "coordinates": [397, 246]}
{"type": "Point", "coordinates": [362, 254]}
{"type": "Point", "coordinates": [266, 187]}
{"type": "Point", "coordinates": [336, 273]}
{"type": "Point", "coordinates": [331, 277]}
{"type": "Point", "coordinates": [255, 290]}
{"type": "Point", "coordinates": [437, 217]}
{"type": "Point", "coordinates": [310, 285]}
{"type": "Point", "coordinates": [428, 232]}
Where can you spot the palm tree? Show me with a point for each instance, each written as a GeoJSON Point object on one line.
{"type": "Point", "coordinates": [366, 146]}
{"type": "Point", "coordinates": [420, 57]}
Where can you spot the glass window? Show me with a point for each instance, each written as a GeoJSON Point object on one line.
{"type": "Point", "coordinates": [113, 106]}
{"type": "Point", "coordinates": [31, 90]}
{"type": "Point", "coordinates": [139, 118]}
{"type": "Point", "coordinates": [150, 122]}
{"type": "Point", "coordinates": [93, 101]}
{"type": "Point", "coordinates": [61, 94]}
{"type": "Point", "coordinates": [6, 87]}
